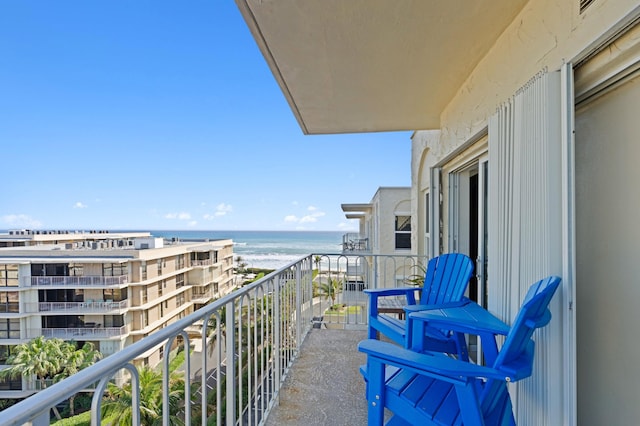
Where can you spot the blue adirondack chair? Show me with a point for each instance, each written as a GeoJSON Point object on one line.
{"type": "Point", "coordinates": [434, 389]}
{"type": "Point", "coordinates": [445, 282]}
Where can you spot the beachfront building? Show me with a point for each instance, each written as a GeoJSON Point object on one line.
{"type": "Point", "coordinates": [108, 288]}
{"type": "Point", "coordinates": [384, 228]}
{"type": "Point", "coordinates": [523, 158]}
{"type": "Point", "coordinates": [384, 224]}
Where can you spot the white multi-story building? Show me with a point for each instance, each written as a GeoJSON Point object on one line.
{"type": "Point", "coordinates": [384, 224]}
{"type": "Point", "coordinates": [110, 289]}
{"type": "Point", "coordinates": [384, 230]}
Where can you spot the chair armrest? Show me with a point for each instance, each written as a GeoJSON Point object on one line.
{"type": "Point", "coordinates": [472, 319]}
{"type": "Point", "coordinates": [429, 364]}
{"type": "Point", "coordinates": [381, 292]}
{"type": "Point", "coordinates": [417, 308]}
{"type": "Point", "coordinates": [374, 294]}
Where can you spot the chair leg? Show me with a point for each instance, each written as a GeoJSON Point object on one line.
{"type": "Point", "coordinates": [375, 393]}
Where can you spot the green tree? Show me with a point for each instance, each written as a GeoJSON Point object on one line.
{"type": "Point", "coordinates": [241, 264]}
{"type": "Point", "coordinates": [49, 359]}
{"type": "Point", "coordinates": [330, 289]}
{"type": "Point", "coordinates": [76, 360]}
{"type": "Point", "coordinates": [40, 358]}
{"type": "Point", "coordinates": [118, 401]}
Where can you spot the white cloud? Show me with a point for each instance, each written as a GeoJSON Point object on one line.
{"type": "Point", "coordinates": [222, 209]}
{"type": "Point", "coordinates": [312, 208]}
{"type": "Point", "coordinates": [79, 205]}
{"type": "Point", "coordinates": [346, 226]}
{"type": "Point", "coordinates": [208, 216]}
{"type": "Point", "coordinates": [192, 223]}
{"type": "Point", "coordinates": [179, 216]}
{"type": "Point", "coordinates": [310, 218]}
{"type": "Point", "coordinates": [21, 221]}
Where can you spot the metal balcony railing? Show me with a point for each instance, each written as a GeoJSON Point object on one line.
{"type": "Point", "coordinates": [247, 341]}
{"type": "Point", "coordinates": [80, 333]}
{"type": "Point", "coordinates": [88, 306]}
{"type": "Point", "coordinates": [204, 262]}
{"type": "Point", "coordinates": [355, 243]}
{"type": "Point", "coordinates": [81, 281]}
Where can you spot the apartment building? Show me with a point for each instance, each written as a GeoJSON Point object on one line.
{"type": "Point", "coordinates": [110, 289]}
{"type": "Point", "coordinates": [384, 228]}
{"type": "Point", "coordinates": [384, 223]}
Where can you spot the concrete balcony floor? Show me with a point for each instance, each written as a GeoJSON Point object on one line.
{"type": "Point", "coordinates": [324, 385]}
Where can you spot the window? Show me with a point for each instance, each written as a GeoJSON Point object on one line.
{"type": "Point", "coordinates": [159, 267]}
{"type": "Point", "coordinates": [160, 288]}
{"type": "Point", "coordinates": [5, 351]}
{"type": "Point", "coordinates": [114, 269]}
{"type": "Point", "coordinates": [145, 297]}
{"type": "Point", "coordinates": [180, 261]}
{"type": "Point", "coordinates": [9, 328]}
{"type": "Point", "coordinates": [403, 232]}
{"type": "Point", "coordinates": [115, 294]}
{"type": "Point", "coordinates": [9, 302]}
{"type": "Point", "coordinates": [143, 271]}
{"type": "Point", "coordinates": [179, 280]}
{"type": "Point", "coordinates": [9, 276]}
{"type": "Point", "coordinates": [11, 384]}
{"type": "Point", "coordinates": [76, 270]}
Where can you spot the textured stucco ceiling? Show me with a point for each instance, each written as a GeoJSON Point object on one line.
{"type": "Point", "coordinates": [373, 65]}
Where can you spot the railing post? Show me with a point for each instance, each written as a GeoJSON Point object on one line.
{"type": "Point", "coordinates": [375, 272]}
{"type": "Point", "coordinates": [277, 325]}
{"type": "Point", "coordinates": [298, 305]}
{"type": "Point", "coordinates": [231, 363]}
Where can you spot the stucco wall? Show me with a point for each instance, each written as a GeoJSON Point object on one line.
{"type": "Point", "coordinates": [545, 35]}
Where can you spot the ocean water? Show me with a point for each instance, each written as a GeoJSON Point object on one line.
{"type": "Point", "coordinates": [268, 249]}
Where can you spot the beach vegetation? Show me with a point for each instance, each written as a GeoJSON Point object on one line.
{"type": "Point", "coordinates": [49, 360]}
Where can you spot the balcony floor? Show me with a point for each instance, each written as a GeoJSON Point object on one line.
{"type": "Point", "coordinates": [324, 386]}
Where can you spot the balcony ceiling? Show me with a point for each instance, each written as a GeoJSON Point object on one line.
{"type": "Point", "coordinates": [373, 65]}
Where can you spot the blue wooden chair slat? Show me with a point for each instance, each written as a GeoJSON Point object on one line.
{"type": "Point", "coordinates": [434, 389]}
{"type": "Point", "coordinates": [446, 280]}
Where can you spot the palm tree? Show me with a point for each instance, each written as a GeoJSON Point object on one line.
{"type": "Point", "coordinates": [118, 406]}
{"type": "Point", "coordinates": [40, 358]}
{"type": "Point", "coordinates": [317, 259]}
{"type": "Point", "coordinates": [330, 289]}
{"type": "Point", "coordinates": [76, 360]}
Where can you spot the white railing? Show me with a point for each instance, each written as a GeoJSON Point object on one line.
{"type": "Point", "coordinates": [352, 242]}
{"type": "Point", "coordinates": [87, 306]}
{"type": "Point", "coordinates": [80, 281]}
{"type": "Point", "coordinates": [80, 333]}
{"type": "Point", "coordinates": [247, 339]}
{"type": "Point", "coordinates": [205, 262]}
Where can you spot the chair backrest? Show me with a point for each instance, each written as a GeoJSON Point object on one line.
{"type": "Point", "coordinates": [516, 355]}
{"type": "Point", "coordinates": [446, 278]}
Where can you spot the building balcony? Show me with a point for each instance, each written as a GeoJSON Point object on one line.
{"type": "Point", "coordinates": [87, 307]}
{"type": "Point", "coordinates": [204, 262]}
{"type": "Point", "coordinates": [77, 282]}
{"type": "Point", "coordinates": [90, 331]}
{"type": "Point", "coordinates": [355, 243]}
{"type": "Point", "coordinates": [264, 348]}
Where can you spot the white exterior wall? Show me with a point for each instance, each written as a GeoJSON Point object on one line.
{"type": "Point", "coordinates": [387, 202]}
{"type": "Point", "coordinates": [544, 36]}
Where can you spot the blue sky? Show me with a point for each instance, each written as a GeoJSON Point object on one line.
{"type": "Point", "coordinates": [164, 115]}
